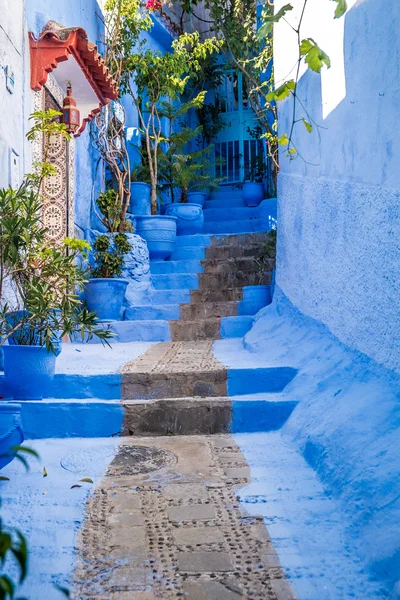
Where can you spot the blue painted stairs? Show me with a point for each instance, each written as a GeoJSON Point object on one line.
{"type": "Point", "coordinates": [197, 293]}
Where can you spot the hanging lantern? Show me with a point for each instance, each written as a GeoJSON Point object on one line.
{"type": "Point", "coordinates": [71, 115]}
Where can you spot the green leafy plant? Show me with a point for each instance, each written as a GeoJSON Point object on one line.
{"type": "Point", "coordinates": [267, 255]}
{"type": "Point", "coordinates": [109, 253]}
{"type": "Point", "coordinates": [40, 280]}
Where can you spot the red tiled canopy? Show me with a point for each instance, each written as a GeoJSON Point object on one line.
{"type": "Point", "coordinates": [54, 46]}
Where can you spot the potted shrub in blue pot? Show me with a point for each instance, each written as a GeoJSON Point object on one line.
{"type": "Point", "coordinates": [42, 280]}
{"type": "Point", "coordinates": [255, 297]}
{"type": "Point", "coordinates": [253, 188]}
{"type": "Point", "coordinates": [140, 200]}
{"type": "Point", "coordinates": [105, 290]}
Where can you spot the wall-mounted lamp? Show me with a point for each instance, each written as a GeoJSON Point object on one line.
{"type": "Point", "coordinates": [71, 115]}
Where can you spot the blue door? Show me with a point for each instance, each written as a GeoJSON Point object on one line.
{"type": "Point", "coordinates": [236, 146]}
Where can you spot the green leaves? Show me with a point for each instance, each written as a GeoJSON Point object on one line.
{"type": "Point", "coordinates": [307, 125]}
{"type": "Point", "coordinates": [269, 21]}
{"type": "Point", "coordinates": [314, 56]}
{"type": "Point", "coordinates": [283, 140]}
{"type": "Point", "coordinates": [341, 8]}
{"type": "Point", "coordinates": [282, 91]}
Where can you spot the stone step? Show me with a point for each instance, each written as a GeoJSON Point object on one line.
{"type": "Point", "coordinates": [189, 369]}
{"type": "Point", "coordinates": [232, 265]}
{"type": "Point", "coordinates": [225, 294]}
{"type": "Point", "coordinates": [160, 267]}
{"type": "Point", "coordinates": [206, 416]}
{"type": "Point", "coordinates": [211, 328]}
{"type": "Point", "coordinates": [152, 312]}
{"type": "Point", "coordinates": [208, 310]}
{"type": "Point", "coordinates": [228, 213]}
{"type": "Point", "coordinates": [201, 329]}
{"type": "Point", "coordinates": [237, 239]}
{"type": "Point", "coordinates": [174, 370]}
{"type": "Point", "coordinates": [223, 227]}
{"type": "Point", "coordinates": [226, 202]}
{"type": "Point", "coordinates": [172, 281]}
{"type": "Point", "coordinates": [230, 252]}
{"type": "Point", "coordinates": [95, 418]}
{"type": "Point", "coordinates": [208, 281]}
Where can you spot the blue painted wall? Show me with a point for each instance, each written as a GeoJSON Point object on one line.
{"type": "Point", "coordinates": [346, 425]}
{"type": "Point", "coordinates": [339, 221]}
{"type": "Point", "coordinates": [336, 311]}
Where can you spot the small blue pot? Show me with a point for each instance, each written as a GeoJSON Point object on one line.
{"type": "Point", "coordinates": [11, 433]}
{"type": "Point", "coordinates": [253, 193]}
{"type": "Point", "coordinates": [28, 371]}
{"type": "Point", "coordinates": [197, 197]}
{"type": "Point", "coordinates": [190, 217]}
{"type": "Point", "coordinates": [105, 297]}
{"type": "Point", "coordinates": [159, 231]}
{"type": "Point", "coordinates": [21, 335]}
{"type": "Point", "coordinates": [140, 202]}
{"type": "Point", "coordinates": [255, 297]}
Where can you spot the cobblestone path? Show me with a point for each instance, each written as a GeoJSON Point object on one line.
{"type": "Point", "coordinates": [165, 523]}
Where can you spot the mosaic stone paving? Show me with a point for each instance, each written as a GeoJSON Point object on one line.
{"type": "Point", "coordinates": [176, 532]}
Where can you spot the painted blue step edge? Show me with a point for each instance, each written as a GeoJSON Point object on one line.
{"type": "Point", "coordinates": [159, 312]}
{"type": "Point", "coordinates": [103, 387]}
{"type": "Point", "coordinates": [259, 380]}
{"type": "Point", "coordinates": [192, 240]}
{"type": "Point", "coordinates": [175, 281]}
{"type": "Point", "coordinates": [235, 327]}
{"type": "Point", "coordinates": [135, 331]}
{"type": "Point", "coordinates": [260, 415]}
{"type": "Point", "coordinates": [52, 418]}
{"type": "Point", "coordinates": [182, 252]}
{"type": "Point", "coordinates": [163, 267]}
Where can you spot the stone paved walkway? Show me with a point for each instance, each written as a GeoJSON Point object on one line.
{"type": "Point", "coordinates": [165, 523]}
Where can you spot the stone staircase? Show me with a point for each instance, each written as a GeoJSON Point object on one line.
{"type": "Point", "coordinates": [196, 295]}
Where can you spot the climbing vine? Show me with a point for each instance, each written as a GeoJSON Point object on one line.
{"type": "Point", "coordinates": [249, 50]}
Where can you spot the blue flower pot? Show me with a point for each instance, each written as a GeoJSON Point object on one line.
{"type": "Point", "coordinates": [28, 371]}
{"type": "Point", "coordinates": [255, 297]}
{"type": "Point", "coordinates": [105, 296]}
{"type": "Point", "coordinates": [253, 193]}
{"type": "Point", "coordinates": [11, 433]}
{"type": "Point", "coordinates": [190, 217]}
{"type": "Point", "coordinates": [140, 203]}
{"type": "Point", "coordinates": [22, 334]}
{"type": "Point", "coordinates": [197, 197]}
{"type": "Point", "coordinates": [159, 231]}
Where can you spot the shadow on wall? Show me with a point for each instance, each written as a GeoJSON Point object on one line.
{"type": "Point", "coordinates": [346, 425]}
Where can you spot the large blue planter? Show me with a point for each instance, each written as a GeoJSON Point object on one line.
{"type": "Point", "coordinates": [159, 231]}
{"type": "Point", "coordinates": [255, 297]}
{"type": "Point", "coordinates": [253, 193]}
{"type": "Point", "coordinates": [140, 202]}
{"type": "Point", "coordinates": [105, 296]}
{"type": "Point", "coordinates": [190, 217]}
{"type": "Point", "coordinates": [28, 371]}
{"type": "Point", "coordinates": [22, 334]}
{"type": "Point", "coordinates": [11, 433]}
{"type": "Point", "coordinates": [197, 197]}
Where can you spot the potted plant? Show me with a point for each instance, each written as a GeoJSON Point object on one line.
{"type": "Point", "coordinates": [148, 76]}
{"type": "Point", "coordinates": [105, 291]}
{"type": "Point", "coordinates": [41, 281]}
{"type": "Point", "coordinates": [253, 187]}
{"type": "Point", "coordinates": [140, 202]}
{"type": "Point", "coordinates": [255, 297]}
